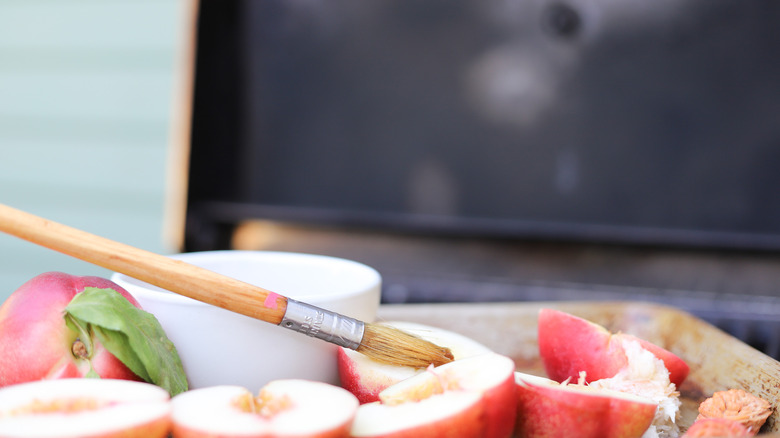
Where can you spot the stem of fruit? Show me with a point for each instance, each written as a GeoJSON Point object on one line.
{"type": "Point", "coordinates": [82, 347]}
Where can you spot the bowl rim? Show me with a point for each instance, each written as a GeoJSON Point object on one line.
{"type": "Point", "coordinates": [148, 291]}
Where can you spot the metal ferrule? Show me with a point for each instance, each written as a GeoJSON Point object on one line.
{"type": "Point", "coordinates": [323, 324]}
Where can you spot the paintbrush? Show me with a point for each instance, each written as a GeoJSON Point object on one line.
{"type": "Point", "coordinates": [380, 342]}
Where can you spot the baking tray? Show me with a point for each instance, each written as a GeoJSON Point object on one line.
{"type": "Point", "coordinates": [718, 360]}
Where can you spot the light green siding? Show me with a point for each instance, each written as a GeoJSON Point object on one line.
{"type": "Point", "coordinates": [86, 91]}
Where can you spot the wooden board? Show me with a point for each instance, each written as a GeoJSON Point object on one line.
{"type": "Point", "coordinates": [718, 361]}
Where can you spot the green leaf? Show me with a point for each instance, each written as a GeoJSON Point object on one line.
{"type": "Point", "coordinates": [120, 346]}
{"type": "Point", "coordinates": [131, 334]}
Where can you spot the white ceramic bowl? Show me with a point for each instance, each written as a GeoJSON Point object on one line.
{"type": "Point", "coordinates": [218, 347]}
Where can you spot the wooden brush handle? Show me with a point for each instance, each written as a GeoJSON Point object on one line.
{"type": "Point", "coordinates": [173, 275]}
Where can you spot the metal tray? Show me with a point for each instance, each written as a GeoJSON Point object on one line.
{"type": "Point", "coordinates": [718, 360]}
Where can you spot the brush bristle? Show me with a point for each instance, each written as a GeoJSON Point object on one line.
{"type": "Point", "coordinates": [393, 346]}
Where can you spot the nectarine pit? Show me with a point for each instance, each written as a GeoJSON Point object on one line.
{"type": "Point", "coordinates": [269, 405]}
{"type": "Point", "coordinates": [439, 384]}
{"type": "Point", "coordinates": [264, 405]}
{"type": "Point", "coordinates": [69, 405]}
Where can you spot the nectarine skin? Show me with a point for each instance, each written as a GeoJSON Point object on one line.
{"type": "Point", "coordinates": [569, 345]}
{"type": "Point", "coordinates": [466, 423]}
{"type": "Point", "coordinates": [543, 414]}
{"type": "Point", "coordinates": [160, 428]}
{"type": "Point", "coordinates": [556, 411]}
{"type": "Point", "coordinates": [500, 410]}
{"type": "Point", "coordinates": [366, 390]}
{"type": "Point", "coordinates": [35, 341]}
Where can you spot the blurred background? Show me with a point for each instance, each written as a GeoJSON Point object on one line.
{"type": "Point", "coordinates": [86, 97]}
{"type": "Point", "coordinates": [496, 150]}
{"type": "Point", "coordinates": [501, 150]}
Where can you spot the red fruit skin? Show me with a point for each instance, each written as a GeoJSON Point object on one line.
{"type": "Point", "coordinates": [569, 344]}
{"type": "Point", "coordinates": [35, 342]}
{"type": "Point", "coordinates": [350, 380]}
{"type": "Point", "coordinates": [159, 428]}
{"type": "Point", "coordinates": [628, 419]}
{"type": "Point", "coordinates": [500, 404]}
{"type": "Point", "coordinates": [548, 412]}
{"type": "Point", "coordinates": [552, 414]}
{"type": "Point", "coordinates": [467, 423]}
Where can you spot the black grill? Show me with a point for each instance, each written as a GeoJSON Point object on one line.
{"type": "Point", "coordinates": [639, 129]}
